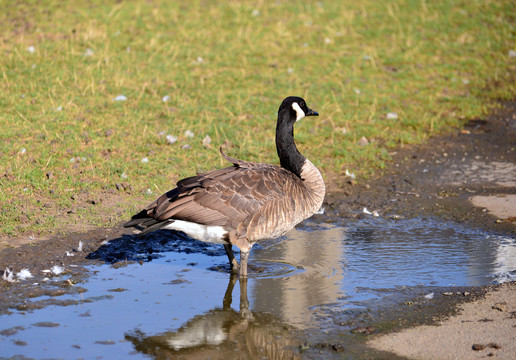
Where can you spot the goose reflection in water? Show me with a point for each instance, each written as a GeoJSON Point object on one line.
{"type": "Point", "coordinates": [223, 333]}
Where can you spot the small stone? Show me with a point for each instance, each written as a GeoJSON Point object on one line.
{"type": "Point", "coordinates": [478, 347]}
{"type": "Point", "coordinates": [363, 141]}
{"type": "Point", "coordinates": [501, 306]}
{"type": "Point", "coordinates": [338, 347]}
{"type": "Point", "coordinates": [50, 175]}
{"type": "Point", "coordinates": [303, 347]}
{"type": "Point", "coordinates": [363, 330]}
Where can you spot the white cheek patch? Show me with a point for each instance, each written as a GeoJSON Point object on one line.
{"type": "Point", "coordinates": [300, 113]}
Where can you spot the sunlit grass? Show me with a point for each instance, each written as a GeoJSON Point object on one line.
{"type": "Point", "coordinates": [225, 67]}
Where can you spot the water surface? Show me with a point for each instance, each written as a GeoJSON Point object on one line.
{"type": "Point", "coordinates": [173, 296]}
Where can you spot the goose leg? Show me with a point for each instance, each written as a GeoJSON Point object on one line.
{"type": "Point", "coordinates": [244, 301]}
{"type": "Point", "coordinates": [235, 267]}
{"type": "Point", "coordinates": [244, 255]}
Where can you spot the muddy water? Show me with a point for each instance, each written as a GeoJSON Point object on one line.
{"type": "Point", "coordinates": [172, 297]}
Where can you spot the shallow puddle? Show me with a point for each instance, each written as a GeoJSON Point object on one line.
{"type": "Point", "coordinates": [171, 296]}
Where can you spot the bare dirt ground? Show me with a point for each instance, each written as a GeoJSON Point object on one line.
{"type": "Point", "coordinates": [483, 329]}
{"type": "Point", "coordinates": [468, 176]}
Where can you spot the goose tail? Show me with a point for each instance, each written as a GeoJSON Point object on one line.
{"type": "Point", "coordinates": [145, 223]}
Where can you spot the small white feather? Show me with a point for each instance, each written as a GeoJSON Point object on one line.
{"type": "Point", "coordinates": [8, 275]}
{"type": "Point", "coordinates": [429, 296]}
{"type": "Point", "coordinates": [79, 248]}
{"type": "Point", "coordinates": [24, 274]}
{"type": "Point", "coordinates": [56, 269]}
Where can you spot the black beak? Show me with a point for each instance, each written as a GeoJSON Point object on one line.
{"type": "Point", "coordinates": [312, 113]}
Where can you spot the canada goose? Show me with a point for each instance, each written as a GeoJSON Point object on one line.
{"type": "Point", "coordinates": [246, 202]}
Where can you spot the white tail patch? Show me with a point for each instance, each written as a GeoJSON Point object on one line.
{"type": "Point", "coordinates": [212, 234]}
{"type": "Point", "coordinates": [300, 113]}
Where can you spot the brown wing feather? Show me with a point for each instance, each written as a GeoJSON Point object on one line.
{"type": "Point", "coordinates": [257, 200]}
{"type": "Point", "coordinates": [226, 197]}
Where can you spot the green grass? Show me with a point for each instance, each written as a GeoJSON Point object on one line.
{"type": "Point", "coordinates": [226, 66]}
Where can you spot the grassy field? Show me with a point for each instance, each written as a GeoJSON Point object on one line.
{"type": "Point", "coordinates": [89, 91]}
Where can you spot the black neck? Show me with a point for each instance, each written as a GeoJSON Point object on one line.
{"type": "Point", "coordinates": [290, 158]}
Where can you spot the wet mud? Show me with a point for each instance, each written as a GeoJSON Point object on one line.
{"type": "Point", "coordinates": [458, 180]}
{"type": "Point", "coordinates": [445, 178]}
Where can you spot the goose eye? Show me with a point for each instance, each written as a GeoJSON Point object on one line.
{"type": "Point", "coordinates": [302, 104]}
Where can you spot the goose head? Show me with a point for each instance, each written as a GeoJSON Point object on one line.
{"type": "Point", "coordinates": [296, 108]}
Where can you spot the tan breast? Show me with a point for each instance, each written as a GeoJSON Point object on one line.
{"type": "Point", "coordinates": [300, 200]}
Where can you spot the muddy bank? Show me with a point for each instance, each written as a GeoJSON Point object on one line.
{"type": "Point", "coordinates": [465, 177]}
